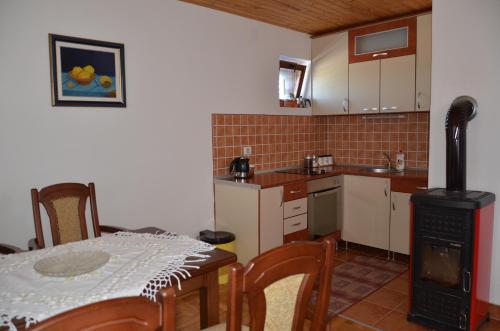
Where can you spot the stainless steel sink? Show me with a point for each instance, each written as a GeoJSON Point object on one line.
{"type": "Point", "coordinates": [382, 170]}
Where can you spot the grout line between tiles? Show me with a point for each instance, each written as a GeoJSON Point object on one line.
{"type": "Point", "coordinates": [360, 323]}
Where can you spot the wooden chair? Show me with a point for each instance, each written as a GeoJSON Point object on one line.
{"type": "Point", "coordinates": [65, 205]}
{"type": "Point", "coordinates": [278, 285]}
{"type": "Point", "coordinates": [9, 249]}
{"type": "Point", "coordinates": [121, 314]}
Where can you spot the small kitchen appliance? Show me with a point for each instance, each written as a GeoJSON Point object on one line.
{"type": "Point", "coordinates": [451, 240]}
{"type": "Point", "coordinates": [310, 161]}
{"type": "Point", "coordinates": [240, 167]}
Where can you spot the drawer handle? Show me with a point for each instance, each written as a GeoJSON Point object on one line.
{"type": "Point", "coordinates": [295, 192]}
{"type": "Point", "coordinates": [296, 208]}
{"type": "Point", "coordinates": [379, 54]}
{"type": "Point", "coordinates": [296, 224]}
{"type": "Point", "coordinates": [421, 187]}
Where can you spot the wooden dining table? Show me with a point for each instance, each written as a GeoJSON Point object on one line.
{"type": "Point", "coordinates": [204, 280]}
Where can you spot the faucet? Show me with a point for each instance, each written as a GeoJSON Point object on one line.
{"type": "Point", "coordinates": [389, 161]}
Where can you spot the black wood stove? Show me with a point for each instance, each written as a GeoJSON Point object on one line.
{"type": "Point", "coordinates": [451, 240]}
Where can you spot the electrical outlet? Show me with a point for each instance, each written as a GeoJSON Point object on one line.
{"type": "Point", "coordinates": [247, 150]}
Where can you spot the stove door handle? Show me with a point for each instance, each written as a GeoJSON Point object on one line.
{"type": "Point", "coordinates": [462, 321]}
{"type": "Point", "coordinates": [467, 282]}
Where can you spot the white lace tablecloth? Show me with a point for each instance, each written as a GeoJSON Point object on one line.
{"type": "Point", "coordinates": [140, 264]}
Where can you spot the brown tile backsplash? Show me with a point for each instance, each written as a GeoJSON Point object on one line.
{"type": "Point", "coordinates": [280, 141]}
{"type": "Point", "coordinates": [354, 140]}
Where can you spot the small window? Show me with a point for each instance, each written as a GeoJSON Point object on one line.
{"type": "Point", "coordinates": [291, 84]}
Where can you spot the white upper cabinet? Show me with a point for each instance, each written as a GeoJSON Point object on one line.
{"type": "Point", "coordinates": [330, 74]}
{"type": "Point", "coordinates": [364, 85]}
{"type": "Point", "coordinates": [397, 84]}
{"type": "Point", "coordinates": [379, 68]}
{"type": "Point", "coordinates": [424, 62]}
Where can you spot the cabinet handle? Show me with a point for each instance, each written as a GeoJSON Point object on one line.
{"type": "Point", "coordinates": [393, 206]}
{"type": "Point", "coordinates": [365, 109]}
{"type": "Point", "coordinates": [374, 108]}
{"type": "Point", "coordinates": [421, 187]}
{"type": "Point", "coordinates": [345, 104]}
{"type": "Point", "coordinates": [296, 208]}
{"type": "Point", "coordinates": [385, 189]}
{"type": "Point", "coordinates": [391, 108]}
{"type": "Point", "coordinates": [281, 202]}
{"type": "Point", "coordinates": [385, 108]}
{"type": "Point", "coordinates": [419, 94]}
{"type": "Point", "coordinates": [295, 192]}
{"type": "Point", "coordinates": [379, 54]}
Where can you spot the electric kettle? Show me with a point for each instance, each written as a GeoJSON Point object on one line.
{"type": "Point", "coordinates": [240, 167]}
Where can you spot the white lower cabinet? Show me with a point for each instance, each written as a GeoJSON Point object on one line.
{"type": "Point", "coordinates": [374, 216]}
{"type": "Point", "coordinates": [400, 223]}
{"type": "Point", "coordinates": [255, 216]}
{"type": "Point", "coordinates": [366, 211]}
{"type": "Point", "coordinates": [271, 218]}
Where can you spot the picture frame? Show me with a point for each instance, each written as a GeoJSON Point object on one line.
{"type": "Point", "coordinates": [86, 72]}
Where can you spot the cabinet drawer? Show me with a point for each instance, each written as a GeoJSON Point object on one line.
{"type": "Point", "coordinates": [295, 191]}
{"type": "Point", "coordinates": [408, 185]}
{"type": "Point", "coordinates": [295, 207]}
{"type": "Point", "coordinates": [294, 224]}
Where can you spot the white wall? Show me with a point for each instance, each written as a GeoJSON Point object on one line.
{"type": "Point", "coordinates": [151, 162]}
{"type": "Point", "coordinates": [466, 61]}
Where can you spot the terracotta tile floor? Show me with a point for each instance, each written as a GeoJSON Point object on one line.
{"type": "Point", "coordinates": [384, 309]}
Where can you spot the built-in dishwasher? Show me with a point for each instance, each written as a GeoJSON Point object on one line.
{"type": "Point", "coordinates": [324, 206]}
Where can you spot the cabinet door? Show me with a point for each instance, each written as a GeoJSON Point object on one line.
{"type": "Point", "coordinates": [364, 84]}
{"type": "Point", "coordinates": [237, 211]}
{"type": "Point", "coordinates": [330, 74]}
{"type": "Point", "coordinates": [400, 223]}
{"type": "Point", "coordinates": [424, 62]}
{"type": "Point", "coordinates": [366, 211]}
{"type": "Point", "coordinates": [271, 218]}
{"type": "Point", "coordinates": [383, 40]}
{"type": "Point", "coordinates": [397, 84]}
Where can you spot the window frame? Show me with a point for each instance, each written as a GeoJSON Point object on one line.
{"type": "Point", "coordinates": [295, 66]}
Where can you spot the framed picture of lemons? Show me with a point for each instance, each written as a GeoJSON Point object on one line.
{"type": "Point", "coordinates": [88, 73]}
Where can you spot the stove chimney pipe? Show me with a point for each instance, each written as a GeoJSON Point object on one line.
{"type": "Point", "coordinates": [462, 110]}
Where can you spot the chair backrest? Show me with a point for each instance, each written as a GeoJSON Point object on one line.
{"type": "Point", "coordinates": [279, 284]}
{"type": "Point", "coordinates": [65, 205]}
{"type": "Point", "coordinates": [122, 314]}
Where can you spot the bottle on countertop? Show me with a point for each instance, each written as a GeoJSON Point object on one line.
{"type": "Point", "coordinates": [400, 161]}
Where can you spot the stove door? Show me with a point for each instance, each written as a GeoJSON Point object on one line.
{"type": "Point", "coordinates": [441, 282]}
{"type": "Point", "coordinates": [441, 264]}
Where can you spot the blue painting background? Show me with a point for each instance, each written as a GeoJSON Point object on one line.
{"type": "Point", "coordinates": [103, 63]}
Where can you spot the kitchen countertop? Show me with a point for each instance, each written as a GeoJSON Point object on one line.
{"type": "Point", "coordinates": [272, 179]}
